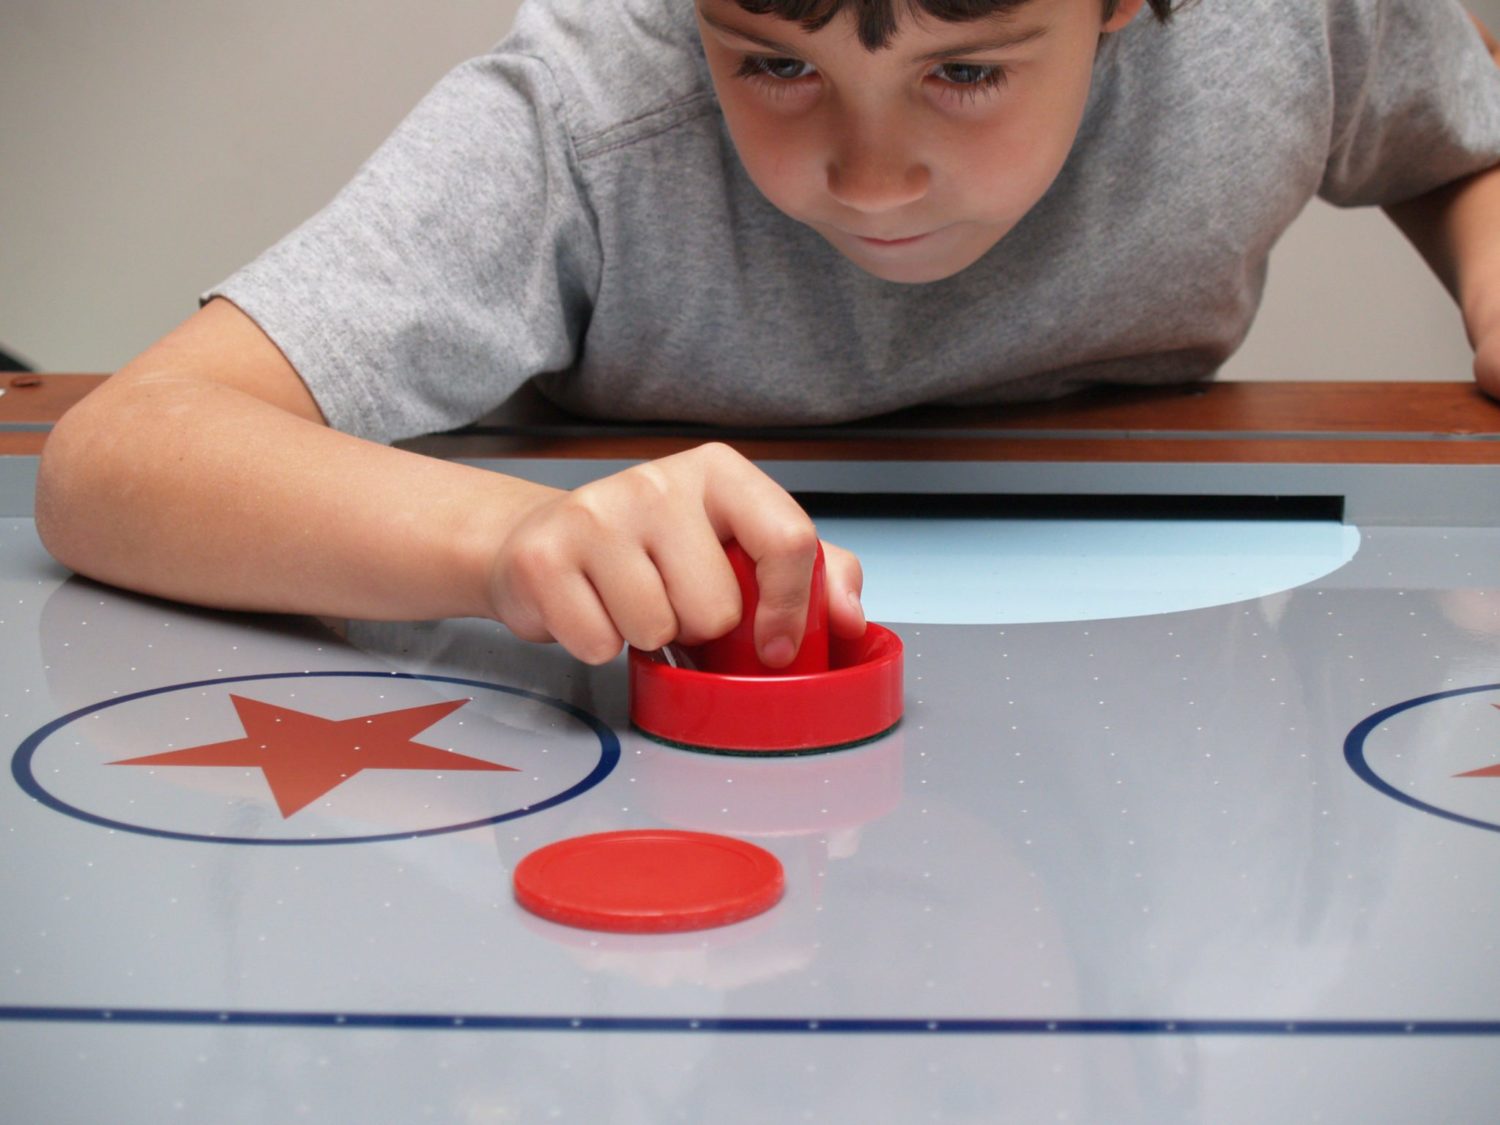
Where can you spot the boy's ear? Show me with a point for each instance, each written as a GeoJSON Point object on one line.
{"type": "Point", "coordinates": [1125, 11]}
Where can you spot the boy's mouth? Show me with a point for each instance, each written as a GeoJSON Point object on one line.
{"type": "Point", "coordinates": [891, 242]}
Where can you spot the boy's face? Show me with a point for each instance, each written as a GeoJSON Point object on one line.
{"type": "Point", "coordinates": [915, 159]}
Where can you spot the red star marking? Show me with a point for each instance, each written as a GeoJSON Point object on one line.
{"type": "Point", "coordinates": [305, 756]}
{"type": "Point", "coordinates": [1484, 771]}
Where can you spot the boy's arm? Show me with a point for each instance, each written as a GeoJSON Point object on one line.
{"type": "Point", "coordinates": [203, 472]}
{"type": "Point", "coordinates": [1457, 230]}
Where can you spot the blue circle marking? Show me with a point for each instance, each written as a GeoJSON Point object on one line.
{"type": "Point", "coordinates": [25, 776]}
{"type": "Point", "coordinates": [1354, 754]}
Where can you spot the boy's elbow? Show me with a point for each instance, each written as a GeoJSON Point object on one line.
{"type": "Point", "coordinates": [53, 508]}
{"type": "Point", "coordinates": [66, 481]}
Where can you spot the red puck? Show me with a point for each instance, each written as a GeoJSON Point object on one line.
{"type": "Point", "coordinates": [653, 880]}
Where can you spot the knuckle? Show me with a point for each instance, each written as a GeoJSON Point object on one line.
{"type": "Point", "coordinates": [852, 569]}
{"type": "Point", "coordinates": [711, 621]}
{"type": "Point", "coordinates": [637, 488]}
{"type": "Point", "coordinates": [794, 537]}
{"type": "Point", "coordinates": [656, 637]}
{"type": "Point", "coordinates": [586, 509]}
{"type": "Point", "coordinates": [533, 631]}
{"type": "Point", "coordinates": [721, 618]}
{"type": "Point", "coordinates": [651, 625]}
{"type": "Point", "coordinates": [597, 650]}
{"type": "Point", "coordinates": [719, 455]}
{"type": "Point", "coordinates": [534, 563]}
{"type": "Point", "coordinates": [783, 597]}
{"type": "Point", "coordinates": [782, 602]}
{"type": "Point", "coordinates": [717, 449]}
{"type": "Point", "coordinates": [649, 482]}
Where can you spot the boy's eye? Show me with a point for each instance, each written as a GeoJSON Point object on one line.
{"type": "Point", "coordinates": [970, 74]}
{"type": "Point", "coordinates": [779, 70]}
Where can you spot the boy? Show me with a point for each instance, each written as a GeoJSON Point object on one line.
{"type": "Point", "coordinates": [750, 211]}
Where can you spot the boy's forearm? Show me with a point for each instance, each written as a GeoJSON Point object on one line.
{"type": "Point", "coordinates": [1457, 230]}
{"type": "Point", "coordinates": [201, 493]}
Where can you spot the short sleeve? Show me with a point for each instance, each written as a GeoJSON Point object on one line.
{"type": "Point", "coordinates": [460, 261]}
{"type": "Point", "coordinates": [1416, 100]}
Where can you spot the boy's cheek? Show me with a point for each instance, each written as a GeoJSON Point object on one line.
{"type": "Point", "coordinates": [774, 156]}
{"type": "Point", "coordinates": [785, 155]}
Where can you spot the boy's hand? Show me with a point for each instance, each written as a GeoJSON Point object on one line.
{"type": "Point", "coordinates": [638, 558]}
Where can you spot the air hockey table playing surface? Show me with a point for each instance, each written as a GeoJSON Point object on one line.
{"type": "Point", "coordinates": [1194, 814]}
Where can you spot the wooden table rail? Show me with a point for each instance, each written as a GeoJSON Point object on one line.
{"type": "Point", "coordinates": [1440, 423]}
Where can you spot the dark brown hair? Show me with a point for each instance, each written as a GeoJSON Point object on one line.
{"type": "Point", "coordinates": [876, 20]}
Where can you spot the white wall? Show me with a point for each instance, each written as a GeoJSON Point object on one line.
{"type": "Point", "coordinates": [148, 149]}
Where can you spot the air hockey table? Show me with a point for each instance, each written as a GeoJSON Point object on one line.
{"type": "Point", "coordinates": [1193, 815]}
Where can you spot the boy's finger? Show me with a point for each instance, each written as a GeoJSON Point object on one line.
{"type": "Point", "coordinates": [846, 580]}
{"type": "Point", "coordinates": [700, 585]}
{"type": "Point", "coordinates": [634, 598]}
{"type": "Point", "coordinates": [745, 504]}
{"type": "Point", "coordinates": [577, 619]}
{"type": "Point", "coordinates": [783, 577]}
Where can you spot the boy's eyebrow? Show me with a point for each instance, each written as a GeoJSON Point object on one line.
{"type": "Point", "coordinates": [740, 33]}
{"type": "Point", "coordinates": [990, 43]}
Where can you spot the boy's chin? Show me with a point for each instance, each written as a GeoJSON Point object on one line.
{"type": "Point", "coordinates": [914, 264]}
{"type": "Point", "coordinates": [910, 275]}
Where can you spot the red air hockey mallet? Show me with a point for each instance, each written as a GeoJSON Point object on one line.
{"type": "Point", "coordinates": [719, 696]}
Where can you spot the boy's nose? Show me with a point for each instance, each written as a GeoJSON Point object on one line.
{"type": "Point", "coordinates": [874, 178]}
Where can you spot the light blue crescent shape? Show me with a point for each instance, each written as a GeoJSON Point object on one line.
{"type": "Point", "coordinates": [943, 571]}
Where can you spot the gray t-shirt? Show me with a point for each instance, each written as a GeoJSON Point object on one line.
{"type": "Point", "coordinates": [569, 208]}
